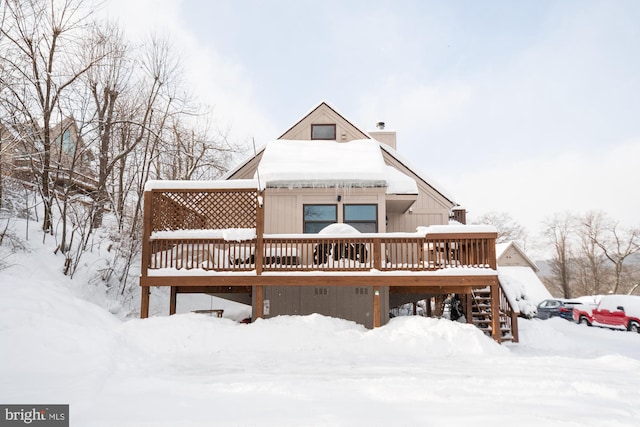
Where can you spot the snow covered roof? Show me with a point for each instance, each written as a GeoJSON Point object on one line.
{"type": "Point", "coordinates": [523, 285]}
{"type": "Point", "coordinates": [311, 164]}
{"type": "Point", "coordinates": [501, 248]}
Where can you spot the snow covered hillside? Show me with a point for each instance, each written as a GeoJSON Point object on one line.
{"type": "Point", "coordinates": [196, 370]}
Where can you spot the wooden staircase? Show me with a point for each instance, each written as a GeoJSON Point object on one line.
{"type": "Point", "coordinates": [481, 314]}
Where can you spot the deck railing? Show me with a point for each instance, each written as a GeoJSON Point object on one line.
{"type": "Point", "coordinates": [198, 228]}
{"type": "Point", "coordinates": [180, 226]}
{"type": "Point", "coordinates": [509, 316]}
{"type": "Point", "coordinates": [282, 253]}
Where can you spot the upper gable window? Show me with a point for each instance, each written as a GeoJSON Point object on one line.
{"type": "Point", "coordinates": [323, 132]}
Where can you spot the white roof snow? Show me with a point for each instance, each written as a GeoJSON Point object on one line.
{"type": "Point", "coordinates": [501, 247]}
{"type": "Point", "coordinates": [324, 164]}
{"type": "Point", "coordinates": [197, 185]}
{"type": "Point", "coordinates": [523, 285]}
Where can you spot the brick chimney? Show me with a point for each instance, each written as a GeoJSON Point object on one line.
{"type": "Point", "coordinates": [459, 214]}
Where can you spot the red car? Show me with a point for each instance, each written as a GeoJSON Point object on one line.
{"type": "Point", "coordinates": [613, 311]}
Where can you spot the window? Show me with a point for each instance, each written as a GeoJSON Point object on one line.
{"type": "Point", "coordinates": [317, 217]}
{"type": "Point", "coordinates": [323, 132]}
{"type": "Point", "coordinates": [362, 217]}
{"type": "Point", "coordinates": [67, 144]}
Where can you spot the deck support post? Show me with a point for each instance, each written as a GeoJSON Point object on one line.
{"type": "Point", "coordinates": [514, 327]}
{"type": "Point", "coordinates": [258, 300]}
{"type": "Point", "coordinates": [144, 302]}
{"type": "Point", "coordinates": [173, 300]}
{"type": "Point", "coordinates": [376, 306]}
{"type": "Point", "coordinates": [259, 250]}
{"type": "Point", "coordinates": [146, 252]}
{"type": "Point", "coordinates": [377, 254]}
{"type": "Point", "coordinates": [496, 333]}
{"type": "Point", "coordinates": [468, 307]}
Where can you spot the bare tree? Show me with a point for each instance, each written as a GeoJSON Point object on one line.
{"type": "Point", "coordinates": [590, 259]}
{"type": "Point", "coordinates": [40, 44]}
{"type": "Point", "coordinates": [136, 132]}
{"type": "Point", "coordinates": [109, 79]}
{"type": "Point", "coordinates": [133, 113]}
{"type": "Point", "coordinates": [132, 109]}
{"type": "Point", "coordinates": [63, 170]}
{"type": "Point", "coordinates": [617, 244]}
{"type": "Point", "coordinates": [557, 232]}
{"type": "Point", "coordinates": [190, 155]}
{"type": "Point", "coordinates": [508, 228]}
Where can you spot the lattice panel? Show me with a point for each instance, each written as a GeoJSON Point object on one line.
{"type": "Point", "coordinates": [230, 209]}
{"type": "Point", "coordinates": [194, 210]}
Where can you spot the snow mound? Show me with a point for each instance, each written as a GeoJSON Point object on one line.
{"type": "Point", "coordinates": [295, 340]}
{"type": "Point", "coordinates": [560, 337]}
{"type": "Point", "coordinates": [436, 337]}
{"type": "Point", "coordinates": [339, 228]}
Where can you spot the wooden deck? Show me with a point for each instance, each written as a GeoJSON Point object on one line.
{"type": "Point", "coordinates": [184, 247]}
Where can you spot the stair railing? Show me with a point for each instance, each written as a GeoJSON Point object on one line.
{"type": "Point", "coordinates": [509, 313]}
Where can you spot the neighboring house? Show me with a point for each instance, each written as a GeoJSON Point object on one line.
{"type": "Point", "coordinates": [70, 160]}
{"type": "Point", "coordinates": [323, 170]}
{"type": "Point", "coordinates": [517, 274]}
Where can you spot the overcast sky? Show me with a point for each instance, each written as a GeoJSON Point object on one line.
{"type": "Point", "coordinates": [527, 107]}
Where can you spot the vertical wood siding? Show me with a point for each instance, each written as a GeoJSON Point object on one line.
{"type": "Point", "coordinates": [512, 257]}
{"type": "Point", "coordinates": [351, 303]}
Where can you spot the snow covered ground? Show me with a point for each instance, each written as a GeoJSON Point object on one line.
{"type": "Point", "coordinates": [197, 370]}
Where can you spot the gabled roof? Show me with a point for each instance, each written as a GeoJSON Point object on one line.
{"type": "Point", "coordinates": [427, 181]}
{"type": "Point", "coordinates": [247, 161]}
{"type": "Point", "coordinates": [326, 105]}
{"type": "Point", "coordinates": [409, 172]}
{"type": "Point", "coordinates": [502, 248]}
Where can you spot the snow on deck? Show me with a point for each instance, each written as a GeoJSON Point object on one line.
{"type": "Point", "coordinates": [453, 271]}
{"type": "Point", "coordinates": [457, 228]}
{"type": "Point", "coordinates": [241, 234]}
{"type": "Point", "coordinates": [228, 234]}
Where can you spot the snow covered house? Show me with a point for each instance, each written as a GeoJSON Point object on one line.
{"type": "Point", "coordinates": [329, 219]}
